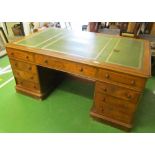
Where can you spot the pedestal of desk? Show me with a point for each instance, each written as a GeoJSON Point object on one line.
{"type": "Point", "coordinates": [115, 104]}
{"type": "Point", "coordinates": [35, 81]}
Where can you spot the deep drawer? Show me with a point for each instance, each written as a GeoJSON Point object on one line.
{"type": "Point", "coordinates": [28, 85]}
{"type": "Point", "coordinates": [23, 66]}
{"type": "Point", "coordinates": [117, 91]}
{"type": "Point", "coordinates": [26, 76]}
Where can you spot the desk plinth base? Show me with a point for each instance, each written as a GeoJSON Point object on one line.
{"type": "Point", "coordinates": [35, 95]}
{"type": "Point", "coordinates": [110, 121]}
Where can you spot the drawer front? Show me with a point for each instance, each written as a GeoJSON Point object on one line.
{"type": "Point", "coordinates": [112, 113]}
{"type": "Point", "coordinates": [28, 85]}
{"type": "Point", "coordinates": [16, 54]}
{"type": "Point", "coordinates": [67, 66]}
{"type": "Point", "coordinates": [135, 82]}
{"type": "Point", "coordinates": [121, 106]}
{"type": "Point", "coordinates": [85, 70]}
{"type": "Point", "coordinates": [49, 62]}
{"type": "Point", "coordinates": [26, 76]}
{"type": "Point", "coordinates": [117, 91]}
{"type": "Point", "coordinates": [19, 65]}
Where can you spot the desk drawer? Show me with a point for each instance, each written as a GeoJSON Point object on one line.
{"type": "Point", "coordinates": [17, 54]}
{"type": "Point", "coordinates": [23, 66]}
{"type": "Point", "coordinates": [26, 76]}
{"type": "Point", "coordinates": [50, 62]}
{"type": "Point", "coordinates": [83, 70]}
{"type": "Point", "coordinates": [67, 66]}
{"type": "Point", "coordinates": [111, 112]}
{"type": "Point", "coordinates": [117, 91]}
{"type": "Point", "coordinates": [28, 85]}
{"type": "Point", "coordinates": [133, 81]}
{"type": "Point", "coordinates": [103, 101]}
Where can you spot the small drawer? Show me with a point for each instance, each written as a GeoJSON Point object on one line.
{"type": "Point", "coordinates": [23, 66]}
{"type": "Point", "coordinates": [49, 62]}
{"type": "Point", "coordinates": [122, 106]}
{"type": "Point", "coordinates": [130, 80]}
{"type": "Point", "coordinates": [85, 70]}
{"type": "Point", "coordinates": [17, 54]}
{"type": "Point", "coordinates": [26, 76]}
{"type": "Point", "coordinates": [117, 91]}
{"type": "Point", "coordinates": [28, 85]}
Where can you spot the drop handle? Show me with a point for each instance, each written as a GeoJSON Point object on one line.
{"type": "Point", "coordinates": [107, 76]}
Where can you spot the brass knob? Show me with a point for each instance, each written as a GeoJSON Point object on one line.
{"type": "Point", "coordinates": [128, 96]}
{"type": "Point", "coordinates": [105, 89]}
{"type": "Point", "coordinates": [46, 61]}
{"type": "Point", "coordinates": [35, 87]}
{"type": "Point", "coordinates": [133, 82]}
{"type": "Point", "coordinates": [16, 64]}
{"type": "Point", "coordinates": [30, 68]}
{"type": "Point", "coordinates": [27, 57]}
{"type": "Point", "coordinates": [31, 77]}
{"type": "Point", "coordinates": [12, 54]}
{"type": "Point", "coordinates": [103, 99]}
{"type": "Point", "coordinates": [81, 70]}
{"type": "Point", "coordinates": [107, 76]}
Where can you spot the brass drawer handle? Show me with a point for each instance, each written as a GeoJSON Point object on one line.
{"type": "Point", "coordinates": [31, 77]}
{"type": "Point", "coordinates": [46, 61]}
{"type": "Point", "coordinates": [129, 96]}
{"type": "Point", "coordinates": [27, 57]}
{"type": "Point", "coordinates": [30, 68]}
{"type": "Point", "coordinates": [102, 110]}
{"type": "Point", "coordinates": [103, 99]}
{"type": "Point", "coordinates": [12, 54]}
{"type": "Point", "coordinates": [81, 70]}
{"type": "Point", "coordinates": [107, 76]}
{"type": "Point", "coordinates": [133, 82]}
{"type": "Point", "coordinates": [16, 64]}
{"type": "Point", "coordinates": [105, 89]}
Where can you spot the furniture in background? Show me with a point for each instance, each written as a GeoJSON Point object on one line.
{"type": "Point", "coordinates": [151, 39]}
{"type": "Point", "coordinates": [3, 41]}
{"type": "Point", "coordinates": [133, 30]}
{"type": "Point", "coordinates": [110, 31]}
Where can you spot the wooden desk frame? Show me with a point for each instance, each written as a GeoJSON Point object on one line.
{"type": "Point", "coordinates": [117, 88]}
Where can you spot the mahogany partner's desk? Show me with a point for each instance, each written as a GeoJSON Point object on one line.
{"type": "Point", "coordinates": [118, 66]}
